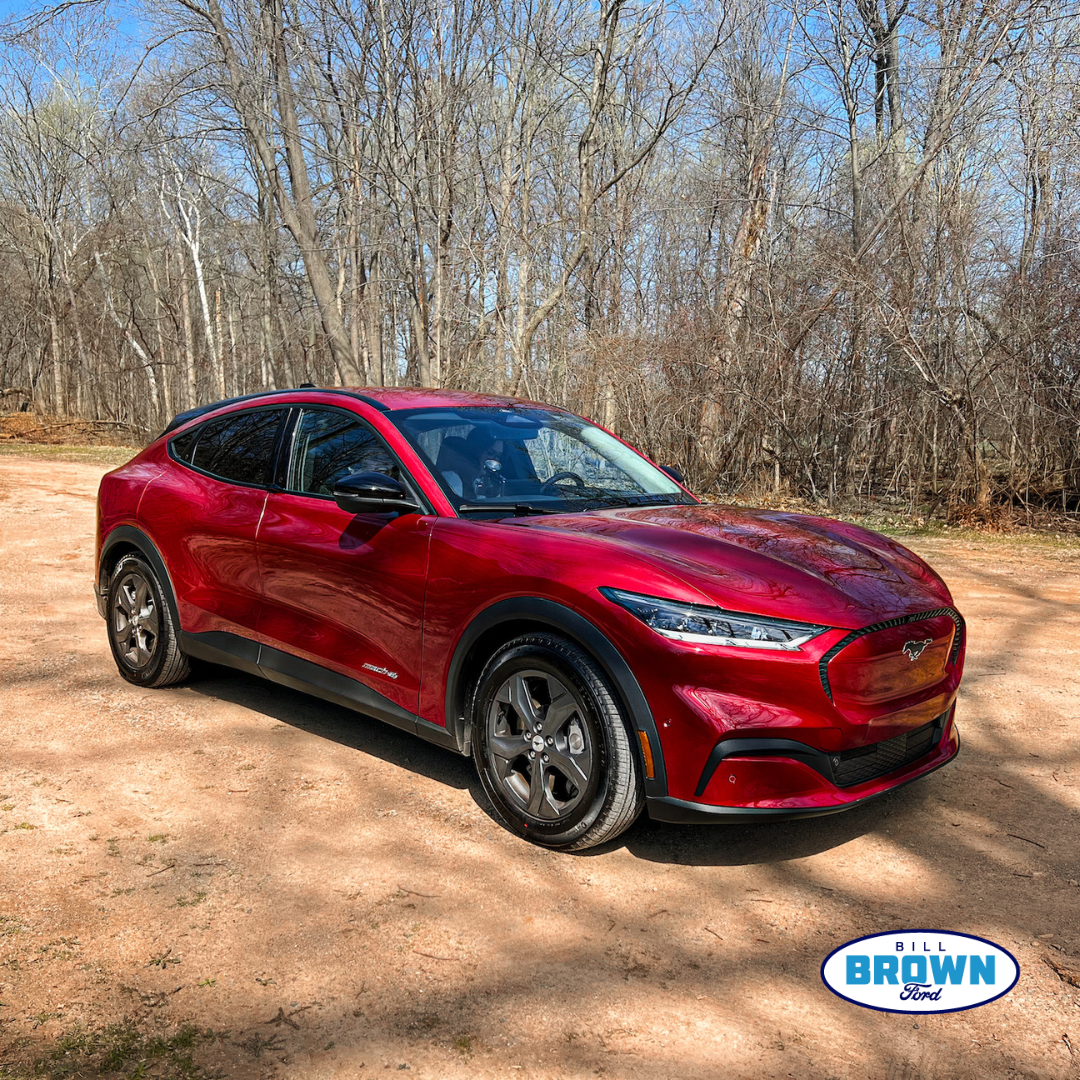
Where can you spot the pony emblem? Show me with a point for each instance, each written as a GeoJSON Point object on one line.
{"type": "Point", "coordinates": [914, 649]}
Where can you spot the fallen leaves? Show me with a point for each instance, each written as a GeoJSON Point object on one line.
{"type": "Point", "coordinates": [1064, 973]}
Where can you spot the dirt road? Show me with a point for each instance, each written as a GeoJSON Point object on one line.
{"type": "Point", "coordinates": [322, 896]}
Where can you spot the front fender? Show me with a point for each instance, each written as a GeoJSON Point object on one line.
{"type": "Point", "coordinates": [573, 625]}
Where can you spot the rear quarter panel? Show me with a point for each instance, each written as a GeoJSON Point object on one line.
{"type": "Point", "coordinates": [120, 493]}
{"type": "Point", "coordinates": [205, 531]}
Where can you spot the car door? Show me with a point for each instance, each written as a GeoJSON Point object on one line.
{"type": "Point", "coordinates": [344, 591]}
{"type": "Point", "coordinates": [203, 515]}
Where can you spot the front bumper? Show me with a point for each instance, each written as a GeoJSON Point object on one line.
{"type": "Point", "coordinates": [828, 800]}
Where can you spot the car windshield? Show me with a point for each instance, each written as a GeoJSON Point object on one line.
{"type": "Point", "coordinates": [529, 459]}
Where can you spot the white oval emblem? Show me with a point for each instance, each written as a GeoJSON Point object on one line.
{"type": "Point", "coordinates": [920, 971]}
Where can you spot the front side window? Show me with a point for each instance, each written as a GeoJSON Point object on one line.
{"type": "Point", "coordinates": [236, 447]}
{"type": "Point", "coordinates": [329, 445]}
{"type": "Point", "coordinates": [509, 456]}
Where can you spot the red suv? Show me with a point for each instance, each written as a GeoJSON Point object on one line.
{"type": "Point", "coordinates": [510, 581]}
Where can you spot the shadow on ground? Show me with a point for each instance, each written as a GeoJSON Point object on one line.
{"type": "Point", "coordinates": [659, 842]}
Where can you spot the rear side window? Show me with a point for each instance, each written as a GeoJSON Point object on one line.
{"type": "Point", "coordinates": [329, 445]}
{"type": "Point", "coordinates": [237, 447]}
{"type": "Point", "coordinates": [183, 446]}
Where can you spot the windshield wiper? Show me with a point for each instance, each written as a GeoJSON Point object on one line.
{"type": "Point", "coordinates": [584, 504]}
{"type": "Point", "coordinates": [617, 502]}
{"type": "Point", "coordinates": [515, 509]}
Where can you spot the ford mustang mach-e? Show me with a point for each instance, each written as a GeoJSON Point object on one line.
{"type": "Point", "coordinates": [512, 582]}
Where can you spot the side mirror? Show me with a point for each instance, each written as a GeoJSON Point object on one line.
{"type": "Point", "coordinates": [371, 493]}
{"type": "Point", "coordinates": [675, 474]}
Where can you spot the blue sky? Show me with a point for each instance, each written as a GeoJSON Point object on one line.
{"type": "Point", "coordinates": [126, 13]}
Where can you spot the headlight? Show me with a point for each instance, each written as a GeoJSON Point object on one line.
{"type": "Point", "coordinates": [714, 626]}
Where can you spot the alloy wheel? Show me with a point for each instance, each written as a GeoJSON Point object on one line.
{"type": "Point", "coordinates": [136, 622]}
{"type": "Point", "coordinates": [539, 745]}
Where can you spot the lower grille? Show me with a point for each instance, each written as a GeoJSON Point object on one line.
{"type": "Point", "coordinates": [868, 762]}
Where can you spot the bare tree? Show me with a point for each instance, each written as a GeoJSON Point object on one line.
{"type": "Point", "coordinates": [825, 248]}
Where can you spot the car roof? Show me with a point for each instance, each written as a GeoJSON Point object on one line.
{"type": "Point", "coordinates": [383, 398]}
{"type": "Point", "coordinates": [420, 397]}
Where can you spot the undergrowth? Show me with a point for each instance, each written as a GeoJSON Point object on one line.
{"type": "Point", "coordinates": [893, 517]}
{"type": "Point", "coordinates": [120, 1050]}
{"type": "Point", "coordinates": [89, 455]}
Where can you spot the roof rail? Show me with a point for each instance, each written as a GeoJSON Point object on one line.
{"type": "Point", "coordinates": [192, 414]}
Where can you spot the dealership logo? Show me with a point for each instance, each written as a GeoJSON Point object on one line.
{"type": "Point", "coordinates": [914, 649]}
{"type": "Point", "coordinates": [920, 971]}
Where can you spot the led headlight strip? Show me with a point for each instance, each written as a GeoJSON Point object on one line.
{"type": "Point", "coordinates": [703, 625]}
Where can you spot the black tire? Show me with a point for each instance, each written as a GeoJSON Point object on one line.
{"type": "Point", "coordinates": [576, 781]}
{"type": "Point", "coordinates": [142, 636]}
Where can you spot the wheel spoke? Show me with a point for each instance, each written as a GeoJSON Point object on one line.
{"type": "Point", "coordinates": [122, 630]}
{"type": "Point", "coordinates": [150, 620]}
{"type": "Point", "coordinates": [145, 650]}
{"type": "Point", "coordinates": [507, 747]}
{"type": "Point", "coordinates": [537, 789]}
{"type": "Point", "coordinates": [575, 767]}
{"type": "Point", "coordinates": [142, 593]}
{"type": "Point", "coordinates": [521, 699]}
{"type": "Point", "coordinates": [125, 599]}
{"type": "Point", "coordinates": [563, 706]}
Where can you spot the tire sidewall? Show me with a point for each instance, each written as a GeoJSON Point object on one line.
{"type": "Point", "coordinates": [540, 653]}
{"type": "Point", "coordinates": [146, 676]}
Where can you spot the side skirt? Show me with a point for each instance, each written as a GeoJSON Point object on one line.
{"type": "Point", "coordinates": [235, 651]}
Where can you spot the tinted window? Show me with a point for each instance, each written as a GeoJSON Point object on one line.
{"type": "Point", "coordinates": [329, 445]}
{"type": "Point", "coordinates": [239, 447]}
{"type": "Point", "coordinates": [183, 446]}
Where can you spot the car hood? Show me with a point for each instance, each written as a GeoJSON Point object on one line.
{"type": "Point", "coordinates": [770, 562]}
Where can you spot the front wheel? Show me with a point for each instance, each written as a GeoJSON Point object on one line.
{"type": "Point", "coordinates": [551, 745]}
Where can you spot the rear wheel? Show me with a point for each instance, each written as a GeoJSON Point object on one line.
{"type": "Point", "coordinates": [552, 747]}
{"type": "Point", "coordinates": [142, 636]}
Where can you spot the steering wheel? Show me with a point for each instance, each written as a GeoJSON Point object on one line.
{"type": "Point", "coordinates": [556, 477]}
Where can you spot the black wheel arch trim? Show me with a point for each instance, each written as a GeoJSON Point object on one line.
{"type": "Point", "coordinates": [570, 624]}
{"type": "Point", "coordinates": [128, 534]}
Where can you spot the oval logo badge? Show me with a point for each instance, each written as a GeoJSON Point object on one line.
{"type": "Point", "coordinates": [920, 971]}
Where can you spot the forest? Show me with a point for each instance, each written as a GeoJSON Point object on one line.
{"type": "Point", "coordinates": [822, 249]}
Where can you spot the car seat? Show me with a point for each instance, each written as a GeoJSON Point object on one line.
{"type": "Point", "coordinates": [455, 464]}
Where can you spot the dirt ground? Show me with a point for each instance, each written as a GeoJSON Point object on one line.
{"type": "Point", "coordinates": [231, 879]}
